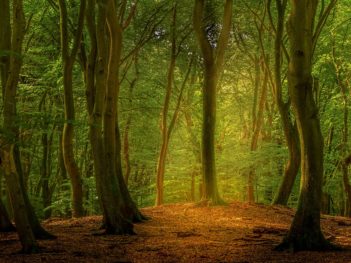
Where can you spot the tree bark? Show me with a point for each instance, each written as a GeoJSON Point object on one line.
{"type": "Point", "coordinates": [305, 231]}
{"type": "Point", "coordinates": [289, 128]}
{"type": "Point", "coordinates": [7, 155]}
{"type": "Point", "coordinates": [213, 63]}
{"type": "Point", "coordinates": [5, 222]}
{"type": "Point", "coordinates": [257, 127]}
{"type": "Point", "coordinates": [68, 129]}
{"type": "Point", "coordinates": [5, 42]}
{"type": "Point", "coordinates": [161, 164]}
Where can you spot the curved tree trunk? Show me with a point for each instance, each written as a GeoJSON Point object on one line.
{"type": "Point", "coordinates": [38, 230]}
{"type": "Point", "coordinates": [129, 208]}
{"type": "Point", "coordinates": [7, 154]}
{"type": "Point", "coordinates": [68, 128]}
{"type": "Point", "coordinates": [292, 166]}
{"type": "Point", "coordinates": [289, 128]}
{"type": "Point", "coordinates": [305, 231]}
{"type": "Point", "coordinates": [67, 146]}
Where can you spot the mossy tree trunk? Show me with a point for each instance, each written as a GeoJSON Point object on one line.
{"type": "Point", "coordinates": [213, 58]}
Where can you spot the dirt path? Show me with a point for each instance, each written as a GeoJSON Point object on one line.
{"type": "Point", "coordinates": [183, 233]}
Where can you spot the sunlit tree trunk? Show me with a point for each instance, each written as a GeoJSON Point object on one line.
{"type": "Point", "coordinates": [193, 138]}
{"type": "Point", "coordinates": [213, 62]}
{"type": "Point", "coordinates": [68, 59]}
{"type": "Point", "coordinates": [161, 164]}
{"type": "Point", "coordinates": [167, 129]}
{"type": "Point", "coordinates": [259, 118]}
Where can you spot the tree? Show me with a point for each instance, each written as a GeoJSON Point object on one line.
{"type": "Point", "coordinates": [68, 59]}
{"type": "Point", "coordinates": [103, 64]}
{"type": "Point", "coordinates": [167, 129]}
{"type": "Point", "coordinates": [289, 127]}
{"type": "Point", "coordinates": [8, 138]}
{"type": "Point", "coordinates": [213, 59]}
{"type": "Point", "coordinates": [305, 231]}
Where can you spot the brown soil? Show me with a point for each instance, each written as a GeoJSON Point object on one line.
{"type": "Point", "coordinates": [238, 232]}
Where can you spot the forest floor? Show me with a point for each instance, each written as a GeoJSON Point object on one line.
{"type": "Point", "coordinates": [239, 232]}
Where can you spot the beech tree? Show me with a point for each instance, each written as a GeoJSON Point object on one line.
{"type": "Point", "coordinates": [27, 224]}
{"type": "Point", "coordinates": [102, 85]}
{"type": "Point", "coordinates": [213, 59]}
{"type": "Point", "coordinates": [68, 59]}
{"type": "Point", "coordinates": [289, 126]}
{"type": "Point", "coordinates": [305, 231]}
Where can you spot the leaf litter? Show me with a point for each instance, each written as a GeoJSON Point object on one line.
{"type": "Point", "coordinates": [238, 232]}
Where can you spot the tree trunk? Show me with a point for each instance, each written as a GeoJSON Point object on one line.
{"type": "Point", "coordinates": [102, 89]}
{"type": "Point", "coordinates": [68, 129]}
{"type": "Point", "coordinates": [8, 141]}
{"type": "Point", "coordinates": [115, 222]}
{"type": "Point", "coordinates": [5, 42]}
{"type": "Point", "coordinates": [194, 142]}
{"type": "Point", "coordinates": [126, 156]}
{"type": "Point", "coordinates": [305, 231]}
{"type": "Point", "coordinates": [257, 127]}
{"type": "Point", "coordinates": [290, 129]}
{"type": "Point", "coordinates": [213, 63]}
{"type": "Point", "coordinates": [5, 223]}
{"type": "Point", "coordinates": [161, 164]}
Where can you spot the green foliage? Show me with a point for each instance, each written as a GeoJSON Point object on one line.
{"type": "Point", "coordinates": [146, 55]}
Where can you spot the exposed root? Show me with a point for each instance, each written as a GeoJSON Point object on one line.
{"type": "Point", "coordinates": [44, 235]}
{"type": "Point", "coordinates": [303, 244]}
